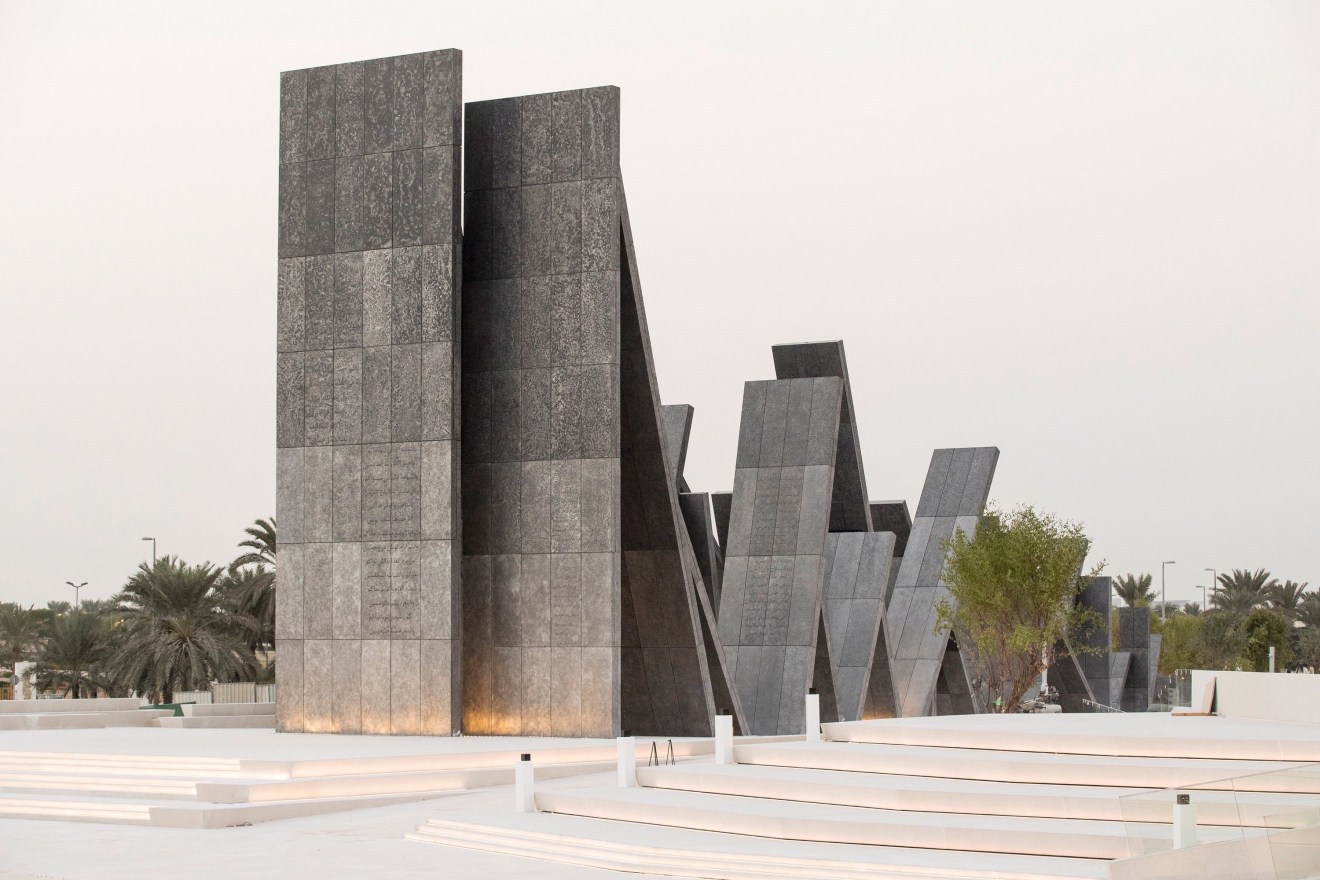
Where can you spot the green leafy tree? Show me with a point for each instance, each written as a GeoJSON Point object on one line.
{"type": "Point", "coordinates": [1239, 591]}
{"type": "Point", "coordinates": [1012, 597]}
{"type": "Point", "coordinates": [1286, 597]}
{"type": "Point", "coordinates": [1308, 612]}
{"type": "Point", "coordinates": [1307, 652]}
{"type": "Point", "coordinates": [1218, 642]}
{"type": "Point", "coordinates": [1178, 645]}
{"type": "Point", "coordinates": [1264, 629]}
{"type": "Point", "coordinates": [1134, 590]}
{"type": "Point", "coordinates": [180, 633]}
{"type": "Point", "coordinates": [74, 651]}
{"type": "Point", "coordinates": [20, 633]}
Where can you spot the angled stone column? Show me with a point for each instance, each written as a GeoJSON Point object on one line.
{"type": "Point", "coordinates": [367, 439]}
{"type": "Point", "coordinates": [857, 566]}
{"type": "Point", "coordinates": [581, 607]}
{"type": "Point", "coordinates": [953, 497]}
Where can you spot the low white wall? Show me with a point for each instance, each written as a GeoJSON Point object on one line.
{"type": "Point", "coordinates": [1272, 696]}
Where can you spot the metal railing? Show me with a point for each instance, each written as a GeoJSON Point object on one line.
{"type": "Point", "coordinates": [1093, 706]}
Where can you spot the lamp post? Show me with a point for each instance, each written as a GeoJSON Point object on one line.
{"type": "Point", "coordinates": [1214, 580]}
{"type": "Point", "coordinates": [153, 550]}
{"type": "Point", "coordinates": [1204, 601]}
{"type": "Point", "coordinates": [1164, 605]}
{"type": "Point", "coordinates": [77, 594]}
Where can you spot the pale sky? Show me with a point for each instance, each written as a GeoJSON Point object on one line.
{"type": "Point", "coordinates": [1088, 234]}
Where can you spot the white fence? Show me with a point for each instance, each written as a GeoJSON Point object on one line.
{"type": "Point", "coordinates": [229, 692]}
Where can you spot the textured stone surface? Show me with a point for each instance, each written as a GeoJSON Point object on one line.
{"type": "Point", "coordinates": [367, 492]}
{"type": "Point", "coordinates": [786, 496]}
{"type": "Point", "coordinates": [581, 612]}
{"type": "Point", "coordinates": [857, 568]}
{"type": "Point", "coordinates": [952, 497]}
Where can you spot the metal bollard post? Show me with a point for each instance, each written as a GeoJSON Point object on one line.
{"type": "Point", "coordinates": [627, 747]}
{"type": "Point", "coordinates": [1271, 658]}
{"type": "Point", "coordinates": [813, 716]}
{"type": "Point", "coordinates": [1184, 822]}
{"type": "Point", "coordinates": [723, 737]}
{"type": "Point", "coordinates": [524, 789]}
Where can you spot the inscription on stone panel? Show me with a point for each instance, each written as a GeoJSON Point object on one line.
{"type": "Point", "coordinates": [754, 601]}
{"type": "Point", "coordinates": [405, 563]}
{"type": "Point", "coordinates": [766, 511]}
{"type": "Point", "coordinates": [405, 491]}
{"type": "Point", "coordinates": [779, 600]}
{"type": "Point", "coordinates": [376, 612]}
{"type": "Point", "coordinates": [377, 511]}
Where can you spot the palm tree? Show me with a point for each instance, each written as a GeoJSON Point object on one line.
{"type": "Point", "coordinates": [179, 631]}
{"type": "Point", "coordinates": [1238, 592]}
{"type": "Point", "coordinates": [1286, 597]}
{"type": "Point", "coordinates": [20, 633]}
{"type": "Point", "coordinates": [76, 644]}
{"type": "Point", "coordinates": [251, 583]}
{"type": "Point", "coordinates": [1134, 590]}
{"type": "Point", "coordinates": [57, 607]}
{"type": "Point", "coordinates": [1192, 608]}
{"type": "Point", "coordinates": [260, 545]}
{"type": "Point", "coordinates": [1308, 612]}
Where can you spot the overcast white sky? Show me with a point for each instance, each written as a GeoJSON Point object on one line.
{"type": "Point", "coordinates": [1088, 234]}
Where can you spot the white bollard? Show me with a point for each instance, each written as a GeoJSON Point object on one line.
{"type": "Point", "coordinates": [723, 737]}
{"type": "Point", "coordinates": [1271, 658]}
{"type": "Point", "coordinates": [813, 716]}
{"type": "Point", "coordinates": [627, 746]}
{"type": "Point", "coordinates": [524, 788]}
{"type": "Point", "coordinates": [1184, 822]}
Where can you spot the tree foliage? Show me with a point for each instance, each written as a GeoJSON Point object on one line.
{"type": "Point", "coordinates": [180, 631]}
{"type": "Point", "coordinates": [73, 654]}
{"type": "Point", "coordinates": [1134, 590]}
{"type": "Point", "coordinates": [1012, 597]}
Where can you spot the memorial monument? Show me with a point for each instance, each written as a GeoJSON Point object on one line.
{"type": "Point", "coordinates": [484, 523]}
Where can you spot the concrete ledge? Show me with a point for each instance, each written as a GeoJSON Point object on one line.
{"type": "Point", "coordinates": [47, 707]}
{"type": "Point", "coordinates": [214, 710]}
{"type": "Point", "coordinates": [232, 721]}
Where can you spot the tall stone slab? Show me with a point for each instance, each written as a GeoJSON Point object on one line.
{"type": "Point", "coordinates": [580, 612]}
{"type": "Point", "coordinates": [367, 370]}
{"type": "Point", "coordinates": [797, 479]}
{"type": "Point", "coordinates": [953, 498]}
{"type": "Point", "coordinates": [857, 566]}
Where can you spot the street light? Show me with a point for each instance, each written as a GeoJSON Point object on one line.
{"type": "Point", "coordinates": [1164, 605]}
{"type": "Point", "coordinates": [153, 550]}
{"type": "Point", "coordinates": [1214, 579]}
{"type": "Point", "coordinates": [1204, 601]}
{"type": "Point", "coordinates": [77, 595]}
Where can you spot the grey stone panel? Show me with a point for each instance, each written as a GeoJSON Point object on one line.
{"type": "Point", "coordinates": [347, 394]}
{"type": "Point", "coordinates": [917, 651]}
{"type": "Point", "coordinates": [368, 368]}
{"type": "Point", "coordinates": [289, 379]}
{"type": "Point", "coordinates": [1094, 639]}
{"type": "Point", "coordinates": [293, 116]}
{"type": "Point", "coordinates": [320, 222]}
{"type": "Point", "coordinates": [722, 505]}
{"type": "Point", "coordinates": [293, 210]}
{"type": "Point", "coordinates": [291, 309]}
{"type": "Point", "coordinates": [349, 109]}
{"type": "Point", "coordinates": [378, 81]}
{"type": "Point", "coordinates": [377, 200]}
{"type": "Point", "coordinates": [1067, 677]}
{"type": "Point", "coordinates": [850, 510]}
{"type": "Point", "coordinates": [350, 204]}
{"type": "Point", "coordinates": [953, 692]}
{"type": "Point", "coordinates": [892, 516]}
{"type": "Point", "coordinates": [320, 302]}
{"type": "Point", "coordinates": [288, 710]}
{"type": "Point", "coordinates": [318, 670]}
{"type": "Point", "coordinates": [678, 428]}
{"type": "Point", "coordinates": [858, 566]}
{"type": "Point", "coordinates": [318, 398]}
{"type": "Point", "coordinates": [753, 415]}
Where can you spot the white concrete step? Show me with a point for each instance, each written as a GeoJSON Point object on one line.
{"type": "Point", "coordinates": [367, 784]}
{"type": "Point", "coordinates": [81, 809]}
{"type": "Point", "coordinates": [211, 721]}
{"type": "Point", "coordinates": [82, 783]}
{"type": "Point", "coordinates": [931, 795]}
{"type": "Point", "coordinates": [1018, 767]}
{"type": "Point", "coordinates": [1043, 733]}
{"type": "Point", "coordinates": [120, 765]}
{"type": "Point", "coordinates": [46, 707]}
{"type": "Point", "coordinates": [210, 710]}
{"type": "Point", "coordinates": [682, 853]}
{"type": "Point", "coordinates": [789, 820]}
